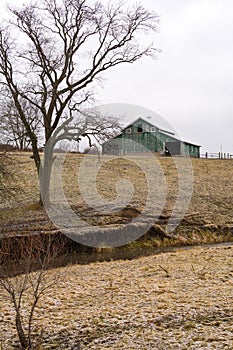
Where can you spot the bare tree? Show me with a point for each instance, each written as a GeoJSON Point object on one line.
{"type": "Point", "coordinates": [8, 177]}
{"type": "Point", "coordinates": [52, 52]}
{"type": "Point", "coordinates": [25, 279]}
{"type": "Point", "coordinates": [13, 131]}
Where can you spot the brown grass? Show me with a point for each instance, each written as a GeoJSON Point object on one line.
{"type": "Point", "coordinates": [210, 209]}
{"type": "Point", "coordinates": [174, 300]}
{"type": "Point", "coordinates": [177, 300]}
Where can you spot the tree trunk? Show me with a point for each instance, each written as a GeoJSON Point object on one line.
{"type": "Point", "coordinates": [22, 337]}
{"type": "Point", "coordinates": [45, 176]}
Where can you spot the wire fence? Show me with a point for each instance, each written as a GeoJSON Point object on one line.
{"type": "Point", "coordinates": [218, 155]}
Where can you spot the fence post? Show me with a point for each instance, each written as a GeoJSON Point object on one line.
{"type": "Point", "coordinates": [206, 155]}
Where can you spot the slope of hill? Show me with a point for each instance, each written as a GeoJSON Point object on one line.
{"type": "Point", "coordinates": [208, 217]}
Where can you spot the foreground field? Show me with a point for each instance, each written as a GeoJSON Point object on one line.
{"type": "Point", "coordinates": [177, 300]}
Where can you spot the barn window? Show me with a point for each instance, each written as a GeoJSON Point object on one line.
{"type": "Point", "coordinates": [152, 129]}
{"type": "Point", "coordinates": [139, 127]}
{"type": "Point", "coordinates": [128, 131]}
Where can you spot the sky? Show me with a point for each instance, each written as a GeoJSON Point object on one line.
{"type": "Point", "coordinates": [190, 84]}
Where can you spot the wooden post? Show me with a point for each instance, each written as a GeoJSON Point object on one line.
{"type": "Point", "coordinates": [206, 155]}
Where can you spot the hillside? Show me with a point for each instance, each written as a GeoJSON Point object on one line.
{"type": "Point", "coordinates": [208, 217]}
{"type": "Point", "coordinates": [180, 299]}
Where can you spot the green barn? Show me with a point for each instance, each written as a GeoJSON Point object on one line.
{"type": "Point", "coordinates": [143, 136]}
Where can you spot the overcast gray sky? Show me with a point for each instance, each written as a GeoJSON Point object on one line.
{"type": "Point", "coordinates": [191, 82]}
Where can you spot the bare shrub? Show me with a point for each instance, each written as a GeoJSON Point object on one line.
{"type": "Point", "coordinates": [25, 279]}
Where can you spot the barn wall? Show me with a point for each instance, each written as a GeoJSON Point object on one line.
{"type": "Point", "coordinates": [142, 136]}
{"type": "Point", "coordinates": [191, 150]}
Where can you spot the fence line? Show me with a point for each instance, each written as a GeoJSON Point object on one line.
{"type": "Point", "coordinates": [219, 155]}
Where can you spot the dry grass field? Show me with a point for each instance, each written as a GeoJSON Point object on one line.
{"type": "Point", "coordinates": [177, 300]}
{"type": "Point", "coordinates": [209, 213]}
{"type": "Point", "coordinates": [180, 299]}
